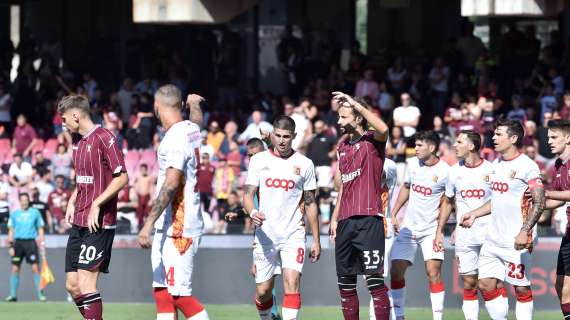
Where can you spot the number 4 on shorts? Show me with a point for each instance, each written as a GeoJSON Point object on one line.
{"type": "Point", "coordinates": [170, 276]}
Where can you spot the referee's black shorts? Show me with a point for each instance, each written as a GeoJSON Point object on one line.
{"type": "Point", "coordinates": [563, 266]}
{"type": "Point", "coordinates": [25, 248]}
{"type": "Point", "coordinates": [359, 246]}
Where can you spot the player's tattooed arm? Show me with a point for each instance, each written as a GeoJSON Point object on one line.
{"type": "Point", "coordinates": [164, 197]}
{"type": "Point", "coordinates": [538, 204]}
{"type": "Point", "coordinates": [309, 197]}
{"type": "Point", "coordinates": [248, 196]}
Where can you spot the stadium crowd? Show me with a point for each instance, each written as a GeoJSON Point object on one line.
{"type": "Point", "coordinates": [463, 86]}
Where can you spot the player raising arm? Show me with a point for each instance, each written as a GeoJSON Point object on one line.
{"type": "Point", "coordinates": [285, 183]}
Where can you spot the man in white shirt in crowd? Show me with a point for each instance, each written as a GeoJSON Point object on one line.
{"type": "Point", "coordinates": [407, 116]}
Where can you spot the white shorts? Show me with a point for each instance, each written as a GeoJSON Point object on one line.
{"type": "Point", "coordinates": [171, 269]}
{"type": "Point", "coordinates": [269, 259]}
{"type": "Point", "coordinates": [406, 245]}
{"type": "Point", "coordinates": [506, 264]}
{"type": "Point", "coordinates": [388, 243]}
{"type": "Point", "coordinates": [467, 258]}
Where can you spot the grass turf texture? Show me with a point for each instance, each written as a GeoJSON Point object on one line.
{"type": "Point", "coordinates": [127, 311]}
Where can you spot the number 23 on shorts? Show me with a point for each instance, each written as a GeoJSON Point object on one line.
{"type": "Point", "coordinates": [515, 271]}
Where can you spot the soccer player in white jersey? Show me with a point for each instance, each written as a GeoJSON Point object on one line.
{"type": "Point", "coordinates": [285, 183]}
{"type": "Point", "coordinates": [175, 214]}
{"type": "Point", "coordinates": [389, 179]}
{"type": "Point", "coordinates": [424, 185]}
{"type": "Point", "coordinates": [468, 186]}
{"type": "Point", "coordinates": [517, 201]}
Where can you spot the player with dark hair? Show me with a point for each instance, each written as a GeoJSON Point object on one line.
{"type": "Point", "coordinates": [92, 208]}
{"type": "Point", "coordinates": [517, 201]}
{"type": "Point", "coordinates": [175, 215]}
{"type": "Point", "coordinates": [559, 142]}
{"type": "Point", "coordinates": [424, 185]}
{"type": "Point", "coordinates": [357, 224]}
{"type": "Point", "coordinates": [285, 183]}
{"type": "Point", "coordinates": [468, 187]}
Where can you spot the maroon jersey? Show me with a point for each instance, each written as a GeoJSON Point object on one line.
{"type": "Point", "coordinates": [96, 158]}
{"type": "Point", "coordinates": [361, 163]}
{"type": "Point", "coordinates": [561, 182]}
{"type": "Point", "coordinates": [55, 199]}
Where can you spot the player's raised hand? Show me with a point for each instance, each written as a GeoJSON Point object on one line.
{"type": "Point", "coordinates": [467, 220]}
{"type": "Point", "coordinates": [93, 218]}
{"type": "Point", "coordinates": [144, 236]}
{"type": "Point", "coordinates": [438, 242]}
{"type": "Point", "coordinates": [315, 251]}
{"type": "Point", "coordinates": [332, 230]}
{"type": "Point", "coordinates": [521, 240]}
{"type": "Point", "coordinates": [257, 218]}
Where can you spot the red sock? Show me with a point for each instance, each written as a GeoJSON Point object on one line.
{"type": "Point", "coordinates": [397, 284]}
{"type": "Point", "coordinates": [164, 301]}
{"type": "Point", "coordinates": [79, 303]}
{"type": "Point", "coordinates": [188, 305]}
{"type": "Point", "coordinates": [349, 304]}
{"type": "Point", "coordinates": [436, 287]}
{"type": "Point", "coordinates": [504, 292]}
{"type": "Point", "coordinates": [92, 306]}
{"type": "Point", "coordinates": [469, 294]}
{"type": "Point", "coordinates": [292, 301]}
{"type": "Point", "coordinates": [565, 309]}
{"type": "Point", "coordinates": [491, 294]}
{"type": "Point", "coordinates": [381, 302]}
{"type": "Point", "coordinates": [527, 297]}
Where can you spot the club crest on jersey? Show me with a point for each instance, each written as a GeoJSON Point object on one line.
{"type": "Point", "coordinates": [297, 171]}
{"type": "Point", "coordinates": [88, 148]}
{"type": "Point", "coordinates": [357, 146]}
{"type": "Point", "coordinates": [512, 174]}
{"type": "Point", "coordinates": [486, 178]}
{"type": "Point", "coordinates": [434, 178]}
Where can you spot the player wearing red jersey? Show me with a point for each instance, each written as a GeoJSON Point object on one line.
{"type": "Point", "coordinates": [357, 224]}
{"type": "Point", "coordinates": [92, 208]}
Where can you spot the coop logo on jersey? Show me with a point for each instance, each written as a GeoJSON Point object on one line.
{"type": "Point", "coordinates": [350, 176]}
{"type": "Point", "coordinates": [280, 183]}
{"type": "Point", "coordinates": [500, 187]}
{"type": "Point", "coordinates": [425, 191]}
{"type": "Point", "coordinates": [472, 193]}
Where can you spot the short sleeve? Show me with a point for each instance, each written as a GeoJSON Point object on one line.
{"type": "Point", "coordinates": [450, 186]}
{"type": "Point", "coordinates": [176, 156]}
{"type": "Point", "coordinates": [408, 175]}
{"type": "Point", "coordinates": [253, 172]}
{"type": "Point", "coordinates": [310, 181]}
{"type": "Point", "coordinates": [111, 153]}
{"type": "Point", "coordinates": [531, 172]}
{"type": "Point", "coordinates": [11, 221]}
{"type": "Point", "coordinates": [39, 220]}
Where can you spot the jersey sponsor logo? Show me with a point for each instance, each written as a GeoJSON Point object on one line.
{"type": "Point", "coordinates": [425, 191]}
{"type": "Point", "coordinates": [472, 193]}
{"type": "Point", "coordinates": [350, 176]}
{"type": "Point", "coordinates": [280, 183]}
{"type": "Point", "coordinates": [85, 179]}
{"type": "Point", "coordinates": [500, 187]}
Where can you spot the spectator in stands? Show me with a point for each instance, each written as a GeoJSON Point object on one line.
{"type": "Point", "coordinates": [224, 180]}
{"type": "Point", "coordinates": [470, 47]}
{"type": "Point", "coordinates": [41, 164]}
{"type": "Point", "coordinates": [24, 138]}
{"type": "Point", "coordinates": [63, 226]}
{"type": "Point", "coordinates": [407, 116]}
{"type": "Point", "coordinates": [215, 136]}
{"type": "Point", "coordinates": [232, 211]}
{"type": "Point", "coordinates": [530, 151]}
{"type": "Point", "coordinates": [42, 207]}
{"type": "Point", "coordinates": [231, 134]}
{"type": "Point", "coordinates": [253, 129]}
{"type": "Point", "coordinates": [146, 85]}
{"type": "Point", "coordinates": [396, 150]}
{"type": "Point", "coordinates": [21, 172]}
{"type": "Point", "coordinates": [234, 158]}
{"type": "Point", "coordinates": [5, 106]}
{"type": "Point", "coordinates": [367, 86]}
{"type": "Point", "coordinates": [127, 203]}
{"type": "Point", "coordinates": [61, 162]}
{"type": "Point", "coordinates": [564, 111]}
{"type": "Point", "coordinates": [143, 186]}
{"type": "Point", "coordinates": [439, 77]}
{"type": "Point", "coordinates": [4, 211]}
{"type": "Point", "coordinates": [557, 81]}
{"type": "Point", "coordinates": [89, 85]}
{"type": "Point", "coordinates": [56, 201]}
{"type": "Point", "coordinates": [205, 147]}
{"type": "Point", "coordinates": [517, 112]}
{"type": "Point", "coordinates": [125, 99]}
{"type": "Point", "coordinates": [205, 179]}
{"type": "Point", "coordinates": [385, 100]}
{"type": "Point", "coordinates": [44, 185]}
{"type": "Point", "coordinates": [303, 128]}
{"type": "Point", "coordinates": [397, 75]}
{"type": "Point", "coordinates": [547, 101]}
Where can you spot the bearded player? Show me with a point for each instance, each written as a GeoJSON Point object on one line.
{"type": "Point", "coordinates": [285, 183]}
{"type": "Point", "coordinates": [357, 224]}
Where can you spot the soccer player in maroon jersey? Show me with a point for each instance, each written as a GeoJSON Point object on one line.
{"type": "Point", "coordinates": [92, 208]}
{"type": "Point", "coordinates": [557, 196]}
{"type": "Point", "coordinates": [357, 226]}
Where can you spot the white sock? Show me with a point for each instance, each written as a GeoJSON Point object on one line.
{"type": "Point", "coordinates": [165, 316]}
{"type": "Point", "coordinates": [371, 312]}
{"type": "Point", "coordinates": [524, 310]}
{"type": "Point", "coordinates": [471, 309]}
{"type": "Point", "coordinates": [399, 299]}
{"type": "Point", "coordinates": [202, 315]}
{"type": "Point", "coordinates": [496, 308]}
{"type": "Point", "coordinates": [437, 304]}
{"type": "Point", "coordinates": [289, 314]}
{"type": "Point", "coordinates": [506, 304]}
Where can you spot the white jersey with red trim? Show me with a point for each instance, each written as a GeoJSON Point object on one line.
{"type": "Point", "coordinates": [180, 149]}
{"type": "Point", "coordinates": [471, 189]}
{"type": "Point", "coordinates": [281, 182]}
{"type": "Point", "coordinates": [510, 198]}
{"type": "Point", "coordinates": [389, 179]}
{"type": "Point", "coordinates": [427, 186]}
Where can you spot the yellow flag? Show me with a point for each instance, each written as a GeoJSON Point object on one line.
{"type": "Point", "coordinates": [46, 276]}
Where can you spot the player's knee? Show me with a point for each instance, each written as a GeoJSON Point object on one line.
{"type": "Point", "coordinates": [524, 294]}
{"type": "Point", "coordinates": [263, 292]}
{"type": "Point", "coordinates": [374, 281]}
{"type": "Point", "coordinates": [291, 285]}
{"type": "Point", "coordinates": [486, 285]}
{"type": "Point", "coordinates": [72, 287]}
{"type": "Point", "coordinates": [434, 275]}
{"type": "Point", "coordinates": [398, 269]}
{"type": "Point", "coordinates": [347, 284]}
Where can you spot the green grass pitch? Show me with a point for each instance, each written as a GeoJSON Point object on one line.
{"type": "Point", "coordinates": [127, 311]}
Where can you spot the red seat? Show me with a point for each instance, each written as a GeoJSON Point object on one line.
{"type": "Point", "coordinates": [39, 146]}
{"type": "Point", "coordinates": [50, 148]}
{"type": "Point", "coordinates": [5, 146]}
{"type": "Point", "coordinates": [132, 159]}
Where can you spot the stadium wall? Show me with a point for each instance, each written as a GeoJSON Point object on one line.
{"type": "Point", "coordinates": [222, 275]}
